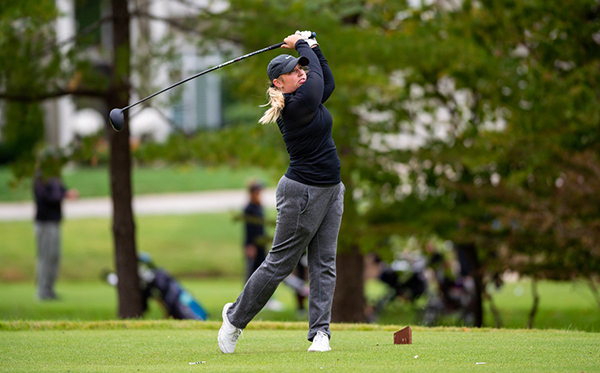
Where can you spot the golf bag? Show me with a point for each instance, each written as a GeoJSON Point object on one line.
{"type": "Point", "coordinates": [409, 285]}
{"type": "Point", "coordinates": [159, 284]}
{"type": "Point", "coordinates": [404, 279]}
{"type": "Point", "coordinates": [177, 302]}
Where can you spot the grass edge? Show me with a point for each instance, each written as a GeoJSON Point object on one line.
{"type": "Point", "coordinates": [23, 325]}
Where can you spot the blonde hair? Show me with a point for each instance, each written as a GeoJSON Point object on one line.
{"type": "Point", "coordinates": [276, 103]}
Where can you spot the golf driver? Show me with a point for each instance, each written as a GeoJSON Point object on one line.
{"type": "Point", "coordinates": [117, 119]}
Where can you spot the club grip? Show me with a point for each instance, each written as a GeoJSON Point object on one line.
{"type": "Point", "coordinates": [275, 46]}
{"type": "Point", "coordinates": [278, 45]}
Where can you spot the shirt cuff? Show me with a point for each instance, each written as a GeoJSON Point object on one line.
{"type": "Point", "coordinates": [300, 40]}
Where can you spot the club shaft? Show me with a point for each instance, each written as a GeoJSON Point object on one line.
{"type": "Point", "coordinates": [274, 46]}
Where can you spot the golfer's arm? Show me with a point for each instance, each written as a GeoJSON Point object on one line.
{"type": "Point", "coordinates": [328, 82]}
{"type": "Point", "coordinates": [311, 92]}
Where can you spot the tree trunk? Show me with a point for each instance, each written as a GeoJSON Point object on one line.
{"type": "Point", "coordinates": [536, 302]}
{"type": "Point", "coordinates": [494, 310]}
{"type": "Point", "coordinates": [594, 289]}
{"type": "Point", "coordinates": [473, 268]}
{"type": "Point", "coordinates": [349, 300]}
{"type": "Point", "coordinates": [128, 287]}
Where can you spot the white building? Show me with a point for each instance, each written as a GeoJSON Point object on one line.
{"type": "Point", "coordinates": [199, 104]}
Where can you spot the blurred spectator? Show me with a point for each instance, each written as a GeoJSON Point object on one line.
{"type": "Point", "coordinates": [451, 289]}
{"type": "Point", "coordinates": [49, 193]}
{"type": "Point", "coordinates": [254, 222]}
{"type": "Point", "coordinates": [404, 279]}
{"type": "Point", "coordinates": [255, 239]}
{"type": "Point", "coordinates": [439, 276]}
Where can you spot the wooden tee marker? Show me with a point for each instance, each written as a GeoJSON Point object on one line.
{"type": "Point", "coordinates": [403, 336]}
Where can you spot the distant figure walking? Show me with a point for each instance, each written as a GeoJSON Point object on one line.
{"type": "Point", "coordinates": [49, 193]}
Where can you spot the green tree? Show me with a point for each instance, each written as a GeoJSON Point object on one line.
{"type": "Point", "coordinates": [518, 81]}
{"type": "Point", "coordinates": [33, 69]}
{"type": "Point", "coordinates": [20, 37]}
{"type": "Point", "coordinates": [475, 122]}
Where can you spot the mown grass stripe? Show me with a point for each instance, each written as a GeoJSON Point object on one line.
{"type": "Point", "coordinates": [215, 325]}
{"type": "Point", "coordinates": [167, 324]}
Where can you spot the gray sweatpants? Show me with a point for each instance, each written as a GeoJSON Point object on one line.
{"type": "Point", "coordinates": [307, 216]}
{"type": "Point", "coordinates": [47, 234]}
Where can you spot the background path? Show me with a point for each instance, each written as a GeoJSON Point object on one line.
{"type": "Point", "coordinates": [155, 204]}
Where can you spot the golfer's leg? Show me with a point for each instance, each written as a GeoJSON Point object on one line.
{"type": "Point", "coordinates": [290, 241]}
{"type": "Point", "coordinates": [321, 267]}
{"type": "Point", "coordinates": [249, 267]}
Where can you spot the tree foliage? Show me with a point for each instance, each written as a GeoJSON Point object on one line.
{"type": "Point", "coordinates": [33, 69]}
{"type": "Point", "coordinates": [23, 34]}
{"type": "Point", "coordinates": [519, 158]}
{"type": "Point", "coordinates": [475, 121]}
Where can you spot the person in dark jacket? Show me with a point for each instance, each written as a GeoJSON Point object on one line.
{"type": "Point", "coordinates": [309, 196]}
{"type": "Point", "coordinates": [49, 193]}
{"type": "Point", "coordinates": [254, 232]}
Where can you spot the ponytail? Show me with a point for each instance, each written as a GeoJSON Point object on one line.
{"type": "Point", "coordinates": [277, 102]}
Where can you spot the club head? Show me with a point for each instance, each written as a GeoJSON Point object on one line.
{"type": "Point", "coordinates": [116, 119]}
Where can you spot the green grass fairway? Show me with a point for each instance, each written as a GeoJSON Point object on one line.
{"type": "Point", "coordinates": [194, 247]}
{"type": "Point", "coordinates": [169, 346]}
{"type": "Point", "coordinates": [96, 301]}
{"type": "Point", "coordinates": [186, 245]}
{"type": "Point", "coordinates": [562, 305]}
{"type": "Point", "coordinates": [93, 181]}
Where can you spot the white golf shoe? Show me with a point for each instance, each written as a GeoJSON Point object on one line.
{"type": "Point", "coordinates": [320, 343]}
{"type": "Point", "coordinates": [228, 334]}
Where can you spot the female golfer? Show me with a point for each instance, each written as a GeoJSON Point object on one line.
{"type": "Point", "coordinates": [309, 196]}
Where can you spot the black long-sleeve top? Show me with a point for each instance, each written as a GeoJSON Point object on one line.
{"type": "Point", "coordinates": [48, 199]}
{"type": "Point", "coordinates": [306, 124]}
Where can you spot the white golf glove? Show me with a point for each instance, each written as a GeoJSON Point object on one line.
{"type": "Point", "coordinates": [306, 35]}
